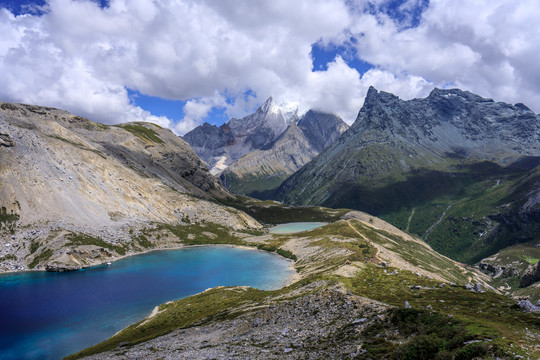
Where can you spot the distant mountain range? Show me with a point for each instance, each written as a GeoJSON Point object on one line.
{"type": "Point", "coordinates": [220, 146]}
{"type": "Point", "coordinates": [261, 171]}
{"type": "Point", "coordinates": [455, 168]}
{"type": "Point", "coordinates": [253, 155]}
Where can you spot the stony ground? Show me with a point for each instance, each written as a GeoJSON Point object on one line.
{"type": "Point", "coordinates": [310, 327]}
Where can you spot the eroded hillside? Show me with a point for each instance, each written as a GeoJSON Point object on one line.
{"type": "Point", "coordinates": [76, 193]}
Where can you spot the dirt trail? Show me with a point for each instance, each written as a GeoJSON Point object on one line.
{"type": "Point", "coordinates": [356, 231]}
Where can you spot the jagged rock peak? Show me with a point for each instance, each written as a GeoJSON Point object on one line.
{"type": "Point", "coordinates": [374, 96]}
{"type": "Point", "coordinates": [266, 106]}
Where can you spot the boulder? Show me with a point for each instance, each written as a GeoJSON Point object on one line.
{"type": "Point", "coordinates": [531, 275]}
{"type": "Point", "coordinates": [407, 305]}
{"type": "Point", "coordinates": [526, 305]}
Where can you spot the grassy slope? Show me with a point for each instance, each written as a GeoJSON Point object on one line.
{"type": "Point", "coordinates": [272, 212]}
{"type": "Point", "coordinates": [475, 316]}
{"type": "Point", "coordinates": [517, 257]}
{"type": "Point", "coordinates": [467, 197]}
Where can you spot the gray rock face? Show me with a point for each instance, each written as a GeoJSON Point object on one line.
{"type": "Point", "coordinates": [531, 275]}
{"type": "Point", "coordinates": [265, 169]}
{"type": "Point", "coordinates": [321, 129]}
{"type": "Point", "coordinates": [210, 137]}
{"type": "Point", "coordinates": [221, 146]}
{"type": "Point", "coordinates": [6, 141]}
{"type": "Point", "coordinates": [526, 305]}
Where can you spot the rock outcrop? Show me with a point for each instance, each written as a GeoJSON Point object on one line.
{"type": "Point", "coordinates": [528, 306]}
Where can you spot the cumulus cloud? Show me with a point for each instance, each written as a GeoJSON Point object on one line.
{"type": "Point", "coordinates": [210, 53]}
{"type": "Point", "coordinates": [483, 46]}
{"type": "Point", "coordinates": [195, 110]}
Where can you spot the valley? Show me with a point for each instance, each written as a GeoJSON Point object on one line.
{"type": "Point", "coordinates": [385, 275]}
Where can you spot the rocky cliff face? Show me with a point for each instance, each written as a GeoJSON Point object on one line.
{"type": "Point", "coordinates": [66, 180]}
{"type": "Point", "coordinates": [261, 171]}
{"type": "Point", "coordinates": [408, 160]}
{"type": "Point", "coordinates": [221, 146]}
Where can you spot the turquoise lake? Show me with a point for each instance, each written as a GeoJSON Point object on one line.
{"type": "Point", "coordinates": [291, 228]}
{"type": "Point", "coordinates": [51, 315]}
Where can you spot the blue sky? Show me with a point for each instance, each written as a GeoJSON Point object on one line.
{"type": "Point", "coordinates": [185, 62]}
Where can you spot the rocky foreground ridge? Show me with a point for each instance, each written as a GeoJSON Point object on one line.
{"type": "Point", "coordinates": [75, 193]}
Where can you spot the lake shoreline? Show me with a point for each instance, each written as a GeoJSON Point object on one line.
{"type": "Point", "coordinates": [293, 277]}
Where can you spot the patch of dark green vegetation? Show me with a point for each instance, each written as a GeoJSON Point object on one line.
{"type": "Point", "coordinates": [429, 335]}
{"type": "Point", "coordinates": [467, 198]}
{"type": "Point", "coordinates": [143, 132]}
{"type": "Point", "coordinates": [8, 257]}
{"type": "Point", "coordinates": [273, 248]}
{"type": "Point", "coordinates": [77, 145]}
{"type": "Point", "coordinates": [42, 256]}
{"type": "Point", "coordinates": [84, 239]}
{"type": "Point", "coordinates": [273, 212]}
{"type": "Point", "coordinates": [143, 241]}
{"type": "Point", "coordinates": [203, 234]}
{"type": "Point", "coordinates": [287, 254]}
{"type": "Point", "coordinates": [34, 245]}
{"type": "Point", "coordinates": [260, 186]}
{"type": "Point", "coordinates": [8, 220]}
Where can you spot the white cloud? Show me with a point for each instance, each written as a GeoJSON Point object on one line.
{"type": "Point", "coordinates": [82, 58]}
{"type": "Point", "coordinates": [486, 47]}
{"type": "Point", "coordinates": [195, 110]}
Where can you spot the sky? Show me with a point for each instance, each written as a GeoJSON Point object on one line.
{"type": "Point", "coordinates": [179, 63]}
